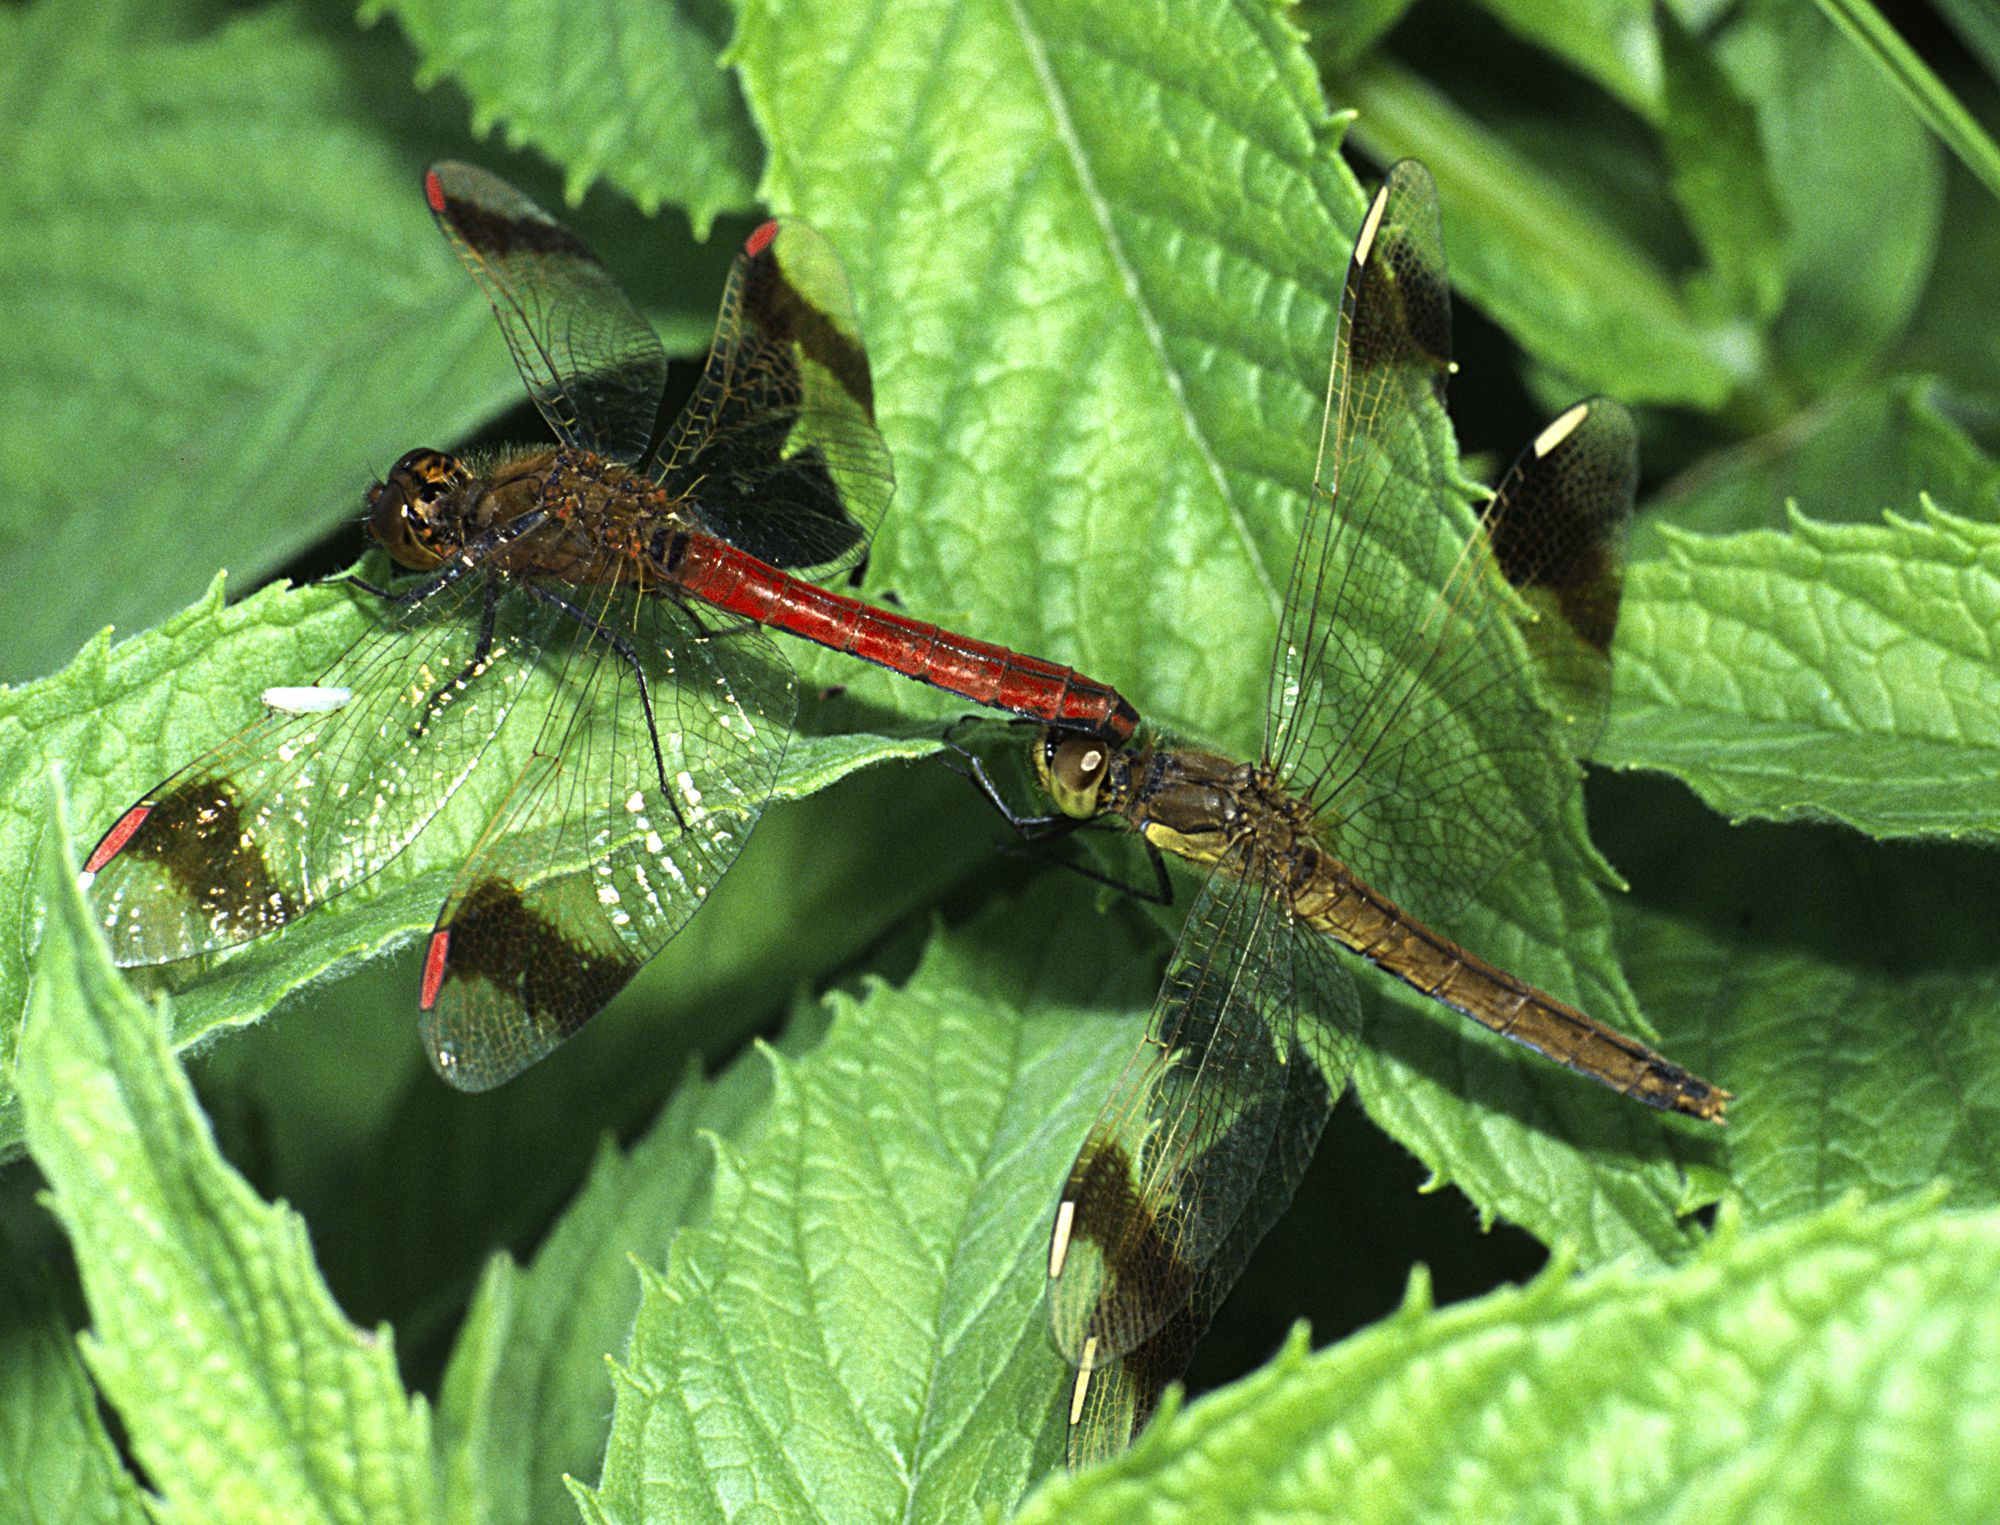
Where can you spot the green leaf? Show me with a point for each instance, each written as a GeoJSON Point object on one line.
{"type": "Point", "coordinates": [57, 1464]}
{"type": "Point", "coordinates": [217, 339]}
{"type": "Point", "coordinates": [1852, 460]}
{"type": "Point", "coordinates": [524, 1401]}
{"type": "Point", "coordinates": [1840, 672]}
{"type": "Point", "coordinates": [245, 1393]}
{"type": "Point", "coordinates": [1814, 1372]}
{"type": "Point", "coordinates": [1840, 1089]}
{"type": "Point", "coordinates": [1576, 290]}
{"type": "Point", "coordinates": [1940, 338]}
{"type": "Point", "coordinates": [1092, 356]}
{"type": "Point", "coordinates": [1927, 95]}
{"type": "Point", "coordinates": [857, 1332]}
{"type": "Point", "coordinates": [1862, 226]}
{"type": "Point", "coordinates": [629, 93]}
{"type": "Point", "coordinates": [126, 716]}
{"type": "Point", "coordinates": [234, 325]}
{"type": "Point", "coordinates": [1721, 180]}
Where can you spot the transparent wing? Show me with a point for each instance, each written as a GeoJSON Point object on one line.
{"type": "Point", "coordinates": [587, 867]}
{"type": "Point", "coordinates": [1153, 1256]}
{"type": "Point", "coordinates": [1557, 528]}
{"type": "Point", "coordinates": [1211, 1097]}
{"type": "Point", "coordinates": [303, 805]}
{"type": "Point", "coordinates": [777, 449]}
{"type": "Point", "coordinates": [1403, 705]}
{"type": "Point", "coordinates": [593, 365]}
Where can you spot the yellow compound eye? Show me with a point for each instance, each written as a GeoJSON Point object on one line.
{"type": "Point", "coordinates": [1072, 769]}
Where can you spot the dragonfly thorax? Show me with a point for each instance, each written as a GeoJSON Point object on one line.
{"type": "Point", "coordinates": [574, 515]}
{"type": "Point", "coordinates": [1207, 808]}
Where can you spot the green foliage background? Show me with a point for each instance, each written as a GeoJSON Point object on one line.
{"type": "Point", "coordinates": [1096, 251]}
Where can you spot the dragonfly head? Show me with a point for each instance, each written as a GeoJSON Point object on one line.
{"type": "Point", "coordinates": [410, 512]}
{"type": "Point", "coordinates": [1072, 766]}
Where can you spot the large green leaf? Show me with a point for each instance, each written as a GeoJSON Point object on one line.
{"type": "Point", "coordinates": [1090, 360]}
{"type": "Point", "coordinates": [234, 328]}
{"type": "Point", "coordinates": [1861, 228]}
{"type": "Point", "coordinates": [627, 92]}
{"type": "Point", "coordinates": [1844, 1086]}
{"type": "Point", "coordinates": [1844, 988]}
{"type": "Point", "coordinates": [216, 340]}
{"type": "Point", "coordinates": [523, 1403]}
{"type": "Point", "coordinates": [246, 1394]}
{"type": "Point", "coordinates": [1816, 1372]}
{"type": "Point", "coordinates": [857, 1332]}
{"type": "Point", "coordinates": [1838, 672]}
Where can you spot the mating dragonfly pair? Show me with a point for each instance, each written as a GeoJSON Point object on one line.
{"type": "Point", "coordinates": [571, 583]}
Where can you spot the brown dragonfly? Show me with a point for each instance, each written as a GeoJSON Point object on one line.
{"type": "Point", "coordinates": [1408, 753]}
{"type": "Point", "coordinates": [563, 583]}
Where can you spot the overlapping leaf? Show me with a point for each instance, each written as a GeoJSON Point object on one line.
{"type": "Point", "coordinates": [630, 93]}
{"type": "Point", "coordinates": [246, 1394]}
{"type": "Point", "coordinates": [127, 715]}
{"type": "Point", "coordinates": [1814, 1372]}
{"type": "Point", "coordinates": [857, 1332]}
{"type": "Point", "coordinates": [1835, 672]}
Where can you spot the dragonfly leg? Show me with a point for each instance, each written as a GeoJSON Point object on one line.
{"type": "Point", "coordinates": [481, 648]}
{"type": "Point", "coordinates": [630, 656]}
{"type": "Point", "coordinates": [1031, 828]}
{"type": "Point", "coordinates": [1037, 830]}
{"type": "Point", "coordinates": [470, 559]}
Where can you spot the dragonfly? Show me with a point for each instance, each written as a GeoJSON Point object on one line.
{"type": "Point", "coordinates": [1432, 679]}
{"type": "Point", "coordinates": [565, 582]}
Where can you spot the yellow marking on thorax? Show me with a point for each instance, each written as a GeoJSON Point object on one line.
{"type": "Point", "coordinates": [1205, 847]}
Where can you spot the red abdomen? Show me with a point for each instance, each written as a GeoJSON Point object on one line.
{"type": "Point", "coordinates": [717, 573]}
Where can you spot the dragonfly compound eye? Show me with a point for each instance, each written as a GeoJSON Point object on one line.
{"type": "Point", "coordinates": [404, 512]}
{"type": "Point", "coordinates": [1072, 769]}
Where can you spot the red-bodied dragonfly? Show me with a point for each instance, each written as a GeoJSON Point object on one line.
{"type": "Point", "coordinates": [1431, 679]}
{"type": "Point", "coordinates": [563, 582]}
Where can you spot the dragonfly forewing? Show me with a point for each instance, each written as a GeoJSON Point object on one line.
{"type": "Point", "coordinates": [592, 363]}
{"type": "Point", "coordinates": [301, 806]}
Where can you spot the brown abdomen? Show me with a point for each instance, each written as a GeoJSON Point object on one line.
{"type": "Point", "coordinates": [1334, 902]}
